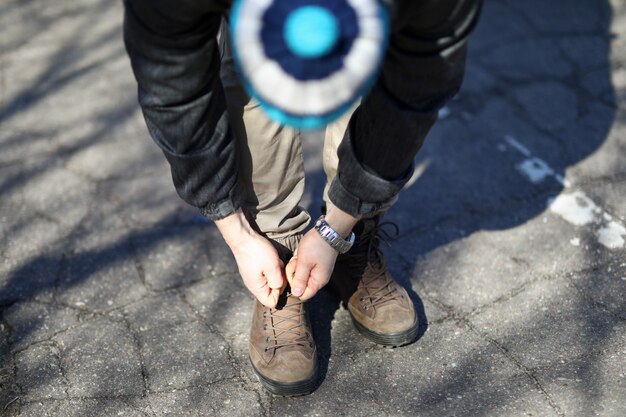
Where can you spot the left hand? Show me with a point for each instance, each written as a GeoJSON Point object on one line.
{"type": "Point", "coordinates": [311, 265]}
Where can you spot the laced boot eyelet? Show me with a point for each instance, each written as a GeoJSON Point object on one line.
{"type": "Point", "coordinates": [265, 327]}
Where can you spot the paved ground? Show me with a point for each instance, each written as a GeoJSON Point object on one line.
{"type": "Point", "coordinates": [116, 299]}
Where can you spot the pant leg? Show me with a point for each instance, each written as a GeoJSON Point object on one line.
{"type": "Point", "coordinates": [333, 135]}
{"type": "Point", "coordinates": [423, 69]}
{"type": "Point", "coordinates": [173, 51]}
{"type": "Point", "coordinates": [271, 166]}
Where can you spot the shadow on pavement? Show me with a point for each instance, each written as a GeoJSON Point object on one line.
{"type": "Point", "coordinates": [538, 99]}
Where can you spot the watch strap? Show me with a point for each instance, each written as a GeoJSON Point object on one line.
{"type": "Point", "coordinates": [333, 238]}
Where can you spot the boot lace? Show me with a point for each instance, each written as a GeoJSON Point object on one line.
{"type": "Point", "coordinates": [381, 288]}
{"type": "Point", "coordinates": [288, 326]}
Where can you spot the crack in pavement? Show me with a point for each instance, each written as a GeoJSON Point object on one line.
{"type": "Point", "coordinates": [516, 362]}
{"type": "Point", "coordinates": [242, 375]}
{"type": "Point", "coordinates": [138, 351]}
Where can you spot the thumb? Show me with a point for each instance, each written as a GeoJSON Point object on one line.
{"type": "Point", "coordinates": [300, 279]}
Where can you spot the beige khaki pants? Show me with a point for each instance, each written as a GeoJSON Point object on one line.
{"type": "Point", "coordinates": [270, 159]}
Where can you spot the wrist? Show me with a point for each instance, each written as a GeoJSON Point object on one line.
{"type": "Point", "coordinates": [340, 221]}
{"type": "Point", "coordinates": [332, 237]}
{"type": "Point", "coordinates": [234, 228]}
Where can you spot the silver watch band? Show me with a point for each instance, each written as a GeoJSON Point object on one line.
{"type": "Point", "coordinates": [333, 238]}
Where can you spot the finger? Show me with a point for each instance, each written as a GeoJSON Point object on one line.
{"type": "Point", "coordinates": [300, 279]}
{"type": "Point", "coordinates": [273, 297]}
{"type": "Point", "coordinates": [317, 279]}
{"type": "Point", "coordinates": [290, 270]}
{"type": "Point", "coordinates": [265, 294]}
{"type": "Point", "coordinates": [311, 289]}
{"type": "Point", "coordinates": [274, 275]}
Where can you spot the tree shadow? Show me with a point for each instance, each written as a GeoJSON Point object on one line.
{"type": "Point", "coordinates": [538, 90]}
{"type": "Point", "coordinates": [538, 99]}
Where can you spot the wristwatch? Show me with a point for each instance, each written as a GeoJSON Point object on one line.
{"type": "Point", "coordinates": [333, 238]}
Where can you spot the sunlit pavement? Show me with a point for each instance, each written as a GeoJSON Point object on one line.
{"type": "Point", "coordinates": [117, 299]}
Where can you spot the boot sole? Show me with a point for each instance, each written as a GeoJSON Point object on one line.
{"type": "Point", "coordinates": [388, 339]}
{"type": "Point", "coordinates": [287, 389]}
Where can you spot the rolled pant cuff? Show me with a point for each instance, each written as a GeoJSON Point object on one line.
{"type": "Point", "coordinates": [225, 207]}
{"type": "Point", "coordinates": [356, 205]}
{"type": "Point", "coordinates": [359, 191]}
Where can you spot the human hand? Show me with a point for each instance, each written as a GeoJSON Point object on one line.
{"type": "Point", "coordinates": [311, 265]}
{"type": "Point", "coordinates": [259, 265]}
{"type": "Point", "coordinates": [314, 260]}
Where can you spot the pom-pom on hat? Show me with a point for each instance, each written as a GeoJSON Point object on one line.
{"type": "Point", "coordinates": [308, 61]}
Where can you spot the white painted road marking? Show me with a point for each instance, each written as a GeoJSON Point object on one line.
{"type": "Point", "coordinates": [575, 207]}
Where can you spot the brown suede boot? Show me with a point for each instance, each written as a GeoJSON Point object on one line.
{"type": "Point", "coordinates": [282, 349]}
{"type": "Point", "coordinates": [380, 308]}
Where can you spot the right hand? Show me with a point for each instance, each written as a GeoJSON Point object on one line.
{"type": "Point", "coordinates": [260, 267]}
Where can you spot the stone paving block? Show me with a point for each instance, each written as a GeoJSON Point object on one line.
{"type": "Point", "coordinates": [551, 105]}
{"type": "Point", "coordinates": [9, 392]}
{"type": "Point", "coordinates": [498, 24]}
{"type": "Point", "coordinates": [605, 285]}
{"type": "Point", "coordinates": [104, 223]}
{"type": "Point", "coordinates": [464, 273]}
{"type": "Point", "coordinates": [30, 235]}
{"type": "Point", "coordinates": [526, 59]}
{"type": "Point", "coordinates": [450, 371]}
{"type": "Point", "coordinates": [162, 310]}
{"type": "Point", "coordinates": [179, 255]}
{"type": "Point", "coordinates": [565, 16]}
{"type": "Point", "coordinates": [599, 83]}
{"type": "Point", "coordinates": [60, 194]}
{"type": "Point", "coordinates": [39, 373]}
{"type": "Point", "coordinates": [477, 80]}
{"type": "Point", "coordinates": [129, 153]}
{"type": "Point", "coordinates": [610, 195]}
{"type": "Point", "coordinates": [34, 322]}
{"type": "Point", "coordinates": [597, 139]}
{"type": "Point", "coordinates": [545, 244]}
{"type": "Point", "coordinates": [89, 407]}
{"type": "Point", "coordinates": [588, 52]}
{"type": "Point", "coordinates": [592, 385]}
{"type": "Point", "coordinates": [18, 142]}
{"type": "Point", "coordinates": [101, 273]}
{"type": "Point", "coordinates": [100, 359]}
{"type": "Point", "coordinates": [149, 201]}
{"type": "Point", "coordinates": [225, 303]}
{"type": "Point", "coordinates": [183, 355]}
{"type": "Point", "coordinates": [546, 324]}
{"type": "Point", "coordinates": [499, 121]}
{"type": "Point", "coordinates": [224, 398]}
{"type": "Point", "coordinates": [32, 276]}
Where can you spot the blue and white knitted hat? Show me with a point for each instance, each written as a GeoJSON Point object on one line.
{"type": "Point", "coordinates": [308, 61]}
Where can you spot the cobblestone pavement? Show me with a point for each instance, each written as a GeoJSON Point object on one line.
{"type": "Point", "coordinates": [116, 299]}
